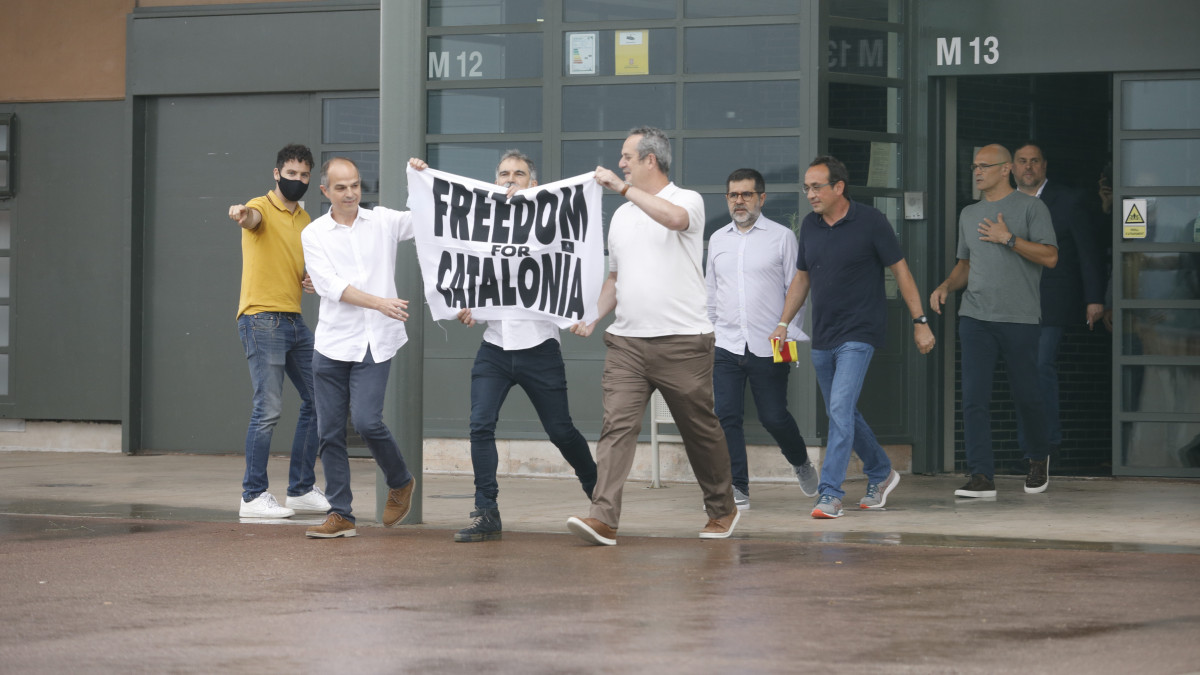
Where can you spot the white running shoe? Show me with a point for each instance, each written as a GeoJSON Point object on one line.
{"type": "Point", "coordinates": [264, 506]}
{"type": "Point", "coordinates": [313, 501]}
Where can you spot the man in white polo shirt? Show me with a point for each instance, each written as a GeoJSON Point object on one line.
{"type": "Point", "coordinates": [661, 339]}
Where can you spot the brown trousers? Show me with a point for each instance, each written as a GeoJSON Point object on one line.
{"type": "Point", "coordinates": [681, 367]}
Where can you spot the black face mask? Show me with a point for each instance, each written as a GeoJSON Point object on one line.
{"type": "Point", "coordinates": [292, 190]}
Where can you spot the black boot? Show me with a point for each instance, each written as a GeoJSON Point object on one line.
{"type": "Point", "coordinates": [485, 527]}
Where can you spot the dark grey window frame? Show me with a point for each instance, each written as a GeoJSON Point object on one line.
{"type": "Point", "coordinates": [1120, 246]}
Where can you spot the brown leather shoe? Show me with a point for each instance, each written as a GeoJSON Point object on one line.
{"type": "Point", "coordinates": [592, 531]}
{"type": "Point", "coordinates": [334, 526]}
{"type": "Point", "coordinates": [720, 528]}
{"type": "Point", "coordinates": [399, 503]}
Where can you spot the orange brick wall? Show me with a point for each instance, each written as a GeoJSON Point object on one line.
{"type": "Point", "coordinates": [70, 50]}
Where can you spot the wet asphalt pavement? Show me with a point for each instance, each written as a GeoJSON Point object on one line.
{"type": "Point", "coordinates": [91, 595]}
{"type": "Point", "coordinates": [105, 567]}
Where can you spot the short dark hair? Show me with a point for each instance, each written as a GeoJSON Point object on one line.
{"type": "Point", "coordinates": [760, 185]}
{"type": "Point", "coordinates": [837, 171]}
{"type": "Point", "coordinates": [1031, 143]}
{"type": "Point", "coordinates": [295, 151]}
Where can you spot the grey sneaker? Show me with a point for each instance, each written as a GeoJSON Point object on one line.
{"type": "Point", "coordinates": [806, 473]}
{"type": "Point", "coordinates": [1039, 475]}
{"type": "Point", "coordinates": [877, 493]}
{"type": "Point", "coordinates": [741, 499]}
{"type": "Point", "coordinates": [827, 506]}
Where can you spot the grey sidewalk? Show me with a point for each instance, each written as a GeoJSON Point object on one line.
{"type": "Point", "coordinates": [1074, 513]}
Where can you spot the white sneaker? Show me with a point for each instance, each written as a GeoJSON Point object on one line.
{"type": "Point", "coordinates": [313, 501]}
{"type": "Point", "coordinates": [264, 506]}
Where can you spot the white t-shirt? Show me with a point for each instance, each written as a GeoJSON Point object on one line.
{"type": "Point", "coordinates": [513, 334]}
{"type": "Point", "coordinates": [660, 282]}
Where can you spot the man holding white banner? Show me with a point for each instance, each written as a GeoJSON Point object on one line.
{"type": "Point", "coordinates": [517, 352]}
{"type": "Point", "coordinates": [661, 339]}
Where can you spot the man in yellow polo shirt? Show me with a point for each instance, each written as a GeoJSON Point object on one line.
{"type": "Point", "coordinates": [276, 340]}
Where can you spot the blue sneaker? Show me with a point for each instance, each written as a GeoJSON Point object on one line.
{"type": "Point", "coordinates": [827, 506]}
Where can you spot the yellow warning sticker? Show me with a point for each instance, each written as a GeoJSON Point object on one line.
{"type": "Point", "coordinates": [1133, 219]}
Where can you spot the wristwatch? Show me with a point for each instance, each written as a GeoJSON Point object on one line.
{"type": "Point", "coordinates": [921, 319]}
{"type": "Point", "coordinates": [1012, 241]}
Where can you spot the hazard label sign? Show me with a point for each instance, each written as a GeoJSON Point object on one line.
{"type": "Point", "coordinates": [1133, 218]}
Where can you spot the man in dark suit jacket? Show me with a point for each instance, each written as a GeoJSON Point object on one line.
{"type": "Point", "coordinates": [1073, 290]}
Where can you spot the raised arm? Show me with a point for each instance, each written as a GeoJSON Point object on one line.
{"type": "Point", "coordinates": [670, 216]}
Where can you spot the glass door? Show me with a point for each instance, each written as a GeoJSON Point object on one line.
{"type": "Point", "coordinates": [1156, 274]}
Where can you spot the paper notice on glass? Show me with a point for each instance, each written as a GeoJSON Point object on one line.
{"type": "Point", "coordinates": [880, 170]}
{"type": "Point", "coordinates": [581, 53]}
{"type": "Point", "coordinates": [632, 52]}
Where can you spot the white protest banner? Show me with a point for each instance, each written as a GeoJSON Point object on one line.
{"type": "Point", "coordinates": [539, 255]}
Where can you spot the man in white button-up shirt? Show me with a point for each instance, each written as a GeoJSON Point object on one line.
{"type": "Point", "coordinates": [351, 255]}
{"type": "Point", "coordinates": [751, 261]}
{"type": "Point", "coordinates": [525, 353]}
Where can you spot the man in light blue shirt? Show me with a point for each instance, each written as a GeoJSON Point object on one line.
{"type": "Point", "coordinates": [751, 262]}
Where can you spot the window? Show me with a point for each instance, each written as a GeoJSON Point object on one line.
{"type": "Point", "coordinates": [350, 128]}
{"type": "Point", "coordinates": [6, 149]}
{"type": "Point", "coordinates": [863, 99]}
{"type": "Point", "coordinates": [5, 294]}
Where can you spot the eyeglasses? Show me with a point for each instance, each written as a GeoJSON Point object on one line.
{"type": "Point", "coordinates": [745, 196]}
{"type": "Point", "coordinates": [976, 167]}
{"type": "Point", "coordinates": [813, 188]}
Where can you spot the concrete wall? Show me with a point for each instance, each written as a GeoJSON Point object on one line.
{"type": "Point", "coordinates": [66, 333]}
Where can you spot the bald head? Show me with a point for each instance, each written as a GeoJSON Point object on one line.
{"type": "Point", "coordinates": [990, 171]}
{"type": "Point", "coordinates": [342, 186]}
{"type": "Point", "coordinates": [340, 164]}
{"type": "Point", "coordinates": [996, 154]}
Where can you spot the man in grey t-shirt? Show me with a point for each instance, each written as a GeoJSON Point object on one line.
{"type": "Point", "coordinates": [1004, 241]}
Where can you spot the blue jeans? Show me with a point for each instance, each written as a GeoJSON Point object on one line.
{"type": "Point", "coordinates": [768, 383]}
{"type": "Point", "coordinates": [277, 343]}
{"type": "Point", "coordinates": [983, 343]}
{"type": "Point", "coordinates": [1049, 338]}
{"type": "Point", "coordinates": [540, 372]}
{"type": "Point", "coordinates": [357, 388]}
{"type": "Point", "coordinates": [840, 374]}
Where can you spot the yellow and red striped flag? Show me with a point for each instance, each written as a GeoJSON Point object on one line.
{"type": "Point", "coordinates": [787, 352]}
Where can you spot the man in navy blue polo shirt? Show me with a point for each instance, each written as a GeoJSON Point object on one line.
{"type": "Point", "coordinates": [844, 247]}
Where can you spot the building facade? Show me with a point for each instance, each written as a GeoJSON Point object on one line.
{"type": "Point", "coordinates": [128, 126]}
